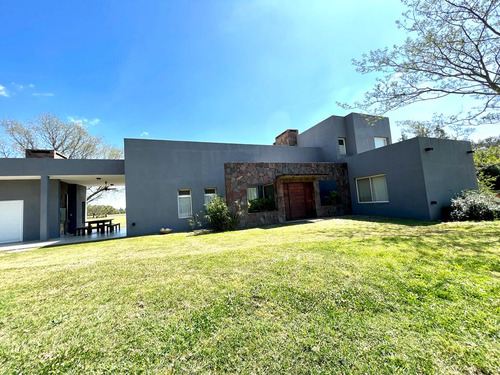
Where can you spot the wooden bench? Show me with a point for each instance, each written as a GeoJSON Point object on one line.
{"type": "Point", "coordinates": [113, 227]}
{"type": "Point", "coordinates": [80, 231]}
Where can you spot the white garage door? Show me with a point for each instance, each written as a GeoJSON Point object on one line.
{"type": "Point", "coordinates": [11, 221]}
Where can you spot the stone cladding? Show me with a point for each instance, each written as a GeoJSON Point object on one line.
{"type": "Point", "coordinates": [287, 138]}
{"type": "Point", "coordinates": [239, 175]}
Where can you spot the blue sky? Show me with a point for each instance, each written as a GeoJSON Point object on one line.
{"type": "Point", "coordinates": [228, 71]}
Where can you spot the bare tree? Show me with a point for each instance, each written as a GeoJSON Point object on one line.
{"type": "Point", "coordinates": [453, 48]}
{"type": "Point", "coordinates": [48, 131]}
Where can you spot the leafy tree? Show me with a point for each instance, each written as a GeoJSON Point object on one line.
{"type": "Point", "coordinates": [98, 210]}
{"type": "Point", "coordinates": [453, 48]}
{"type": "Point", "coordinates": [410, 129]}
{"type": "Point", "coordinates": [486, 143]}
{"type": "Point", "coordinates": [487, 161]}
{"type": "Point", "coordinates": [48, 131]}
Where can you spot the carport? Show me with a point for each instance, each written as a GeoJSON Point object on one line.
{"type": "Point", "coordinates": [38, 195]}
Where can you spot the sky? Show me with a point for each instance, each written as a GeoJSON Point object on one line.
{"type": "Point", "coordinates": [201, 70]}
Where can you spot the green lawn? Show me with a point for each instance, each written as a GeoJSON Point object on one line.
{"type": "Point", "coordinates": [351, 295]}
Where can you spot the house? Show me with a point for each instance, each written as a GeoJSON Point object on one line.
{"type": "Point", "coordinates": [340, 166]}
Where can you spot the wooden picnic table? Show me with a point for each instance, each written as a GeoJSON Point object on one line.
{"type": "Point", "coordinates": [100, 224]}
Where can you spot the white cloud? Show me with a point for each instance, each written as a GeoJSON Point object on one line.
{"type": "Point", "coordinates": [144, 134]}
{"type": "Point", "coordinates": [3, 91]}
{"type": "Point", "coordinates": [83, 121]}
{"type": "Point", "coordinates": [17, 86]}
{"type": "Point", "coordinates": [31, 85]}
{"type": "Point", "coordinates": [42, 94]}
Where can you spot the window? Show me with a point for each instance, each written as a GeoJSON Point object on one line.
{"type": "Point", "coordinates": [342, 146]}
{"type": "Point", "coordinates": [210, 194]}
{"type": "Point", "coordinates": [252, 193]}
{"type": "Point", "coordinates": [328, 193]}
{"type": "Point", "coordinates": [380, 142]}
{"type": "Point", "coordinates": [372, 189]}
{"type": "Point", "coordinates": [261, 191]}
{"type": "Point", "coordinates": [268, 191]}
{"type": "Point", "coordinates": [261, 198]}
{"type": "Point", "coordinates": [185, 207]}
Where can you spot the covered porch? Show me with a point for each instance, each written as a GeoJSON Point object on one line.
{"type": "Point", "coordinates": [63, 240]}
{"type": "Point", "coordinates": [42, 199]}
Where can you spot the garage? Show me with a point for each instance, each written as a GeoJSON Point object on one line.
{"type": "Point", "coordinates": [11, 221]}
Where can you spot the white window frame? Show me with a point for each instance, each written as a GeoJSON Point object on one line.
{"type": "Point", "coordinates": [371, 188]}
{"type": "Point", "coordinates": [179, 197]}
{"type": "Point", "coordinates": [384, 139]}
{"type": "Point", "coordinates": [342, 148]}
{"type": "Point", "coordinates": [209, 196]}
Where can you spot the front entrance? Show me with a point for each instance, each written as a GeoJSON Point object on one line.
{"type": "Point", "coordinates": [299, 200]}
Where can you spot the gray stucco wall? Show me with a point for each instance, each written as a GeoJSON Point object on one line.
{"type": "Point", "coordinates": [47, 167]}
{"type": "Point", "coordinates": [401, 164]}
{"type": "Point", "coordinates": [415, 177]}
{"type": "Point", "coordinates": [448, 169]}
{"type": "Point", "coordinates": [81, 197]}
{"type": "Point", "coordinates": [325, 135]}
{"type": "Point", "coordinates": [363, 129]}
{"type": "Point", "coordinates": [155, 170]}
{"type": "Point", "coordinates": [29, 192]}
{"type": "Point", "coordinates": [54, 214]}
{"type": "Point", "coordinates": [358, 132]}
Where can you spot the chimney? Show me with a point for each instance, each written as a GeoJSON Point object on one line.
{"type": "Point", "coordinates": [287, 138]}
{"type": "Point", "coordinates": [44, 154]}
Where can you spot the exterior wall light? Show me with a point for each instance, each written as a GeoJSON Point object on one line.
{"type": "Point", "coordinates": [429, 149]}
{"type": "Point", "coordinates": [471, 151]}
{"type": "Point", "coordinates": [434, 202]}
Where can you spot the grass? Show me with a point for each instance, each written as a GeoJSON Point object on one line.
{"type": "Point", "coordinates": [351, 295]}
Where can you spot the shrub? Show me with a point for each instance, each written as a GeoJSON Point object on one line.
{"type": "Point", "coordinates": [220, 217]}
{"type": "Point", "coordinates": [196, 222]}
{"type": "Point", "coordinates": [475, 205]}
{"type": "Point", "coordinates": [331, 199]}
{"type": "Point", "coordinates": [261, 205]}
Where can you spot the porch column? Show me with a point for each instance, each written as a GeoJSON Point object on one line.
{"type": "Point", "coordinates": [44, 208]}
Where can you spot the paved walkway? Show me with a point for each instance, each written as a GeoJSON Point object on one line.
{"type": "Point", "coordinates": [64, 240]}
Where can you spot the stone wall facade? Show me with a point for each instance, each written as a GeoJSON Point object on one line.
{"type": "Point", "coordinates": [239, 176]}
{"type": "Point", "coordinates": [287, 138]}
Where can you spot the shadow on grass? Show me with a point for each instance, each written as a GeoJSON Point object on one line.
{"type": "Point", "coordinates": [474, 254]}
{"type": "Point", "coordinates": [362, 218]}
{"type": "Point", "coordinates": [390, 220]}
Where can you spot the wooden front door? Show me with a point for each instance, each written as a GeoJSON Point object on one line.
{"type": "Point", "coordinates": [299, 201]}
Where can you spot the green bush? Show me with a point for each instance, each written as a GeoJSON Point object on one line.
{"type": "Point", "coordinates": [475, 205]}
{"type": "Point", "coordinates": [331, 199]}
{"type": "Point", "coordinates": [220, 217]}
{"type": "Point", "coordinates": [261, 205]}
{"type": "Point", "coordinates": [196, 221]}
